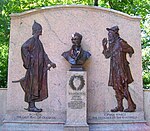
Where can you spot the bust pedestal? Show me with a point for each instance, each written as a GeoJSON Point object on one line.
{"type": "Point", "coordinates": [76, 101]}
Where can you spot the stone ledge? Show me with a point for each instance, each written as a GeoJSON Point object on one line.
{"type": "Point", "coordinates": [32, 117]}
{"type": "Point", "coordinates": [120, 127]}
{"type": "Point", "coordinates": [116, 117]}
{"type": "Point", "coordinates": [74, 6]}
{"type": "Point", "coordinates": [31, 127]}
{"type": "Point", "coordinates": [60, 127]}
{"type": "Point", "coordinates": [76, 128]}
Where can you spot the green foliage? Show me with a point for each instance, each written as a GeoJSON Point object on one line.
{"type": "Point", "coordinates": [3, 65]}
{"type": "Point", "coordinates": [132, 7]}
{"type": "Point", "coordinates": [146, 52]}
{"type": "Point", "coordinates": [4, 38]}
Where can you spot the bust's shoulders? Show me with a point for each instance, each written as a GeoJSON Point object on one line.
{"type": "Point", "coordinates": [66, 53]}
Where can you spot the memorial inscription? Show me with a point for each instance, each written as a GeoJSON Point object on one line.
{"type": "Point", "coordinates": [76, 104]}
{"type": "Point", "coordinates": [119, 117]}
{"type": "Point", "coordinates": [36, 116]}
{"type": "Point", "coordinates": [76, 101]}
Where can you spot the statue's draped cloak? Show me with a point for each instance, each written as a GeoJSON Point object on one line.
{"type": "Point", "coordinates": [35, 61]}
{"type": "Point", "coordinates": [119, 66]}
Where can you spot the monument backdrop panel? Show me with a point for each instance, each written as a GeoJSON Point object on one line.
{"type": "Point", "coordinates": [59, 23]}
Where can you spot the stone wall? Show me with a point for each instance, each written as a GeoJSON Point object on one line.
{"type": "Point", "coordinates": [147, 105]}
{"type": "Point", "coordinates": [59, 23]}
{"type": "Point", "coordinates": [3, 94]}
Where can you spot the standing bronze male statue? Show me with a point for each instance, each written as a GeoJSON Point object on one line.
{"type": "Point", "coordinates": [76, 56]}
{"type": "Point", "coordinates": [120, 75]}
{"type": "Point", "coordinates": [36, 63]}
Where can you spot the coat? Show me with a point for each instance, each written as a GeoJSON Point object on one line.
{"type": "Point", "coordinates": [120, 73]}
{"type": "Point", "coordinates": [35, 61]}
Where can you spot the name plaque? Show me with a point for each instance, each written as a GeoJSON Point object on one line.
{"type": "Point", "coordinates": [121, 117]}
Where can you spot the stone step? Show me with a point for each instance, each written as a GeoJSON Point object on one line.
{"type": "Point", "coordinates": [60, 127]}
{"type": "Point", "coordinates": [120, 127]}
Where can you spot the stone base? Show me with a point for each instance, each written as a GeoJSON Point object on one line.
{"type": "Point", "coordinates": [62, 127]}
{"type": "Point", "coordinates": [31, 127]}
{"type": "Point", "coordinates": [76, 113]}
{"type": "Point", "coordinates": [76, 128]}
{"type": "Point", "coordinates": [120, 127]}
{"type": "Point", "coordinates": [2, 118]}
{"type": "Point", "coordinates": [35, 117]}
{"type": "Point", "coordinates": [148, 123]}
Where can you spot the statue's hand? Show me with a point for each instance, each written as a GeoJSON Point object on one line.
{"type": "Point", "coordinates": [130, 55]}
{"type": "Point", "coordinates": [104, 43]}
{"type": "Point", "coordinates": [53, 65]}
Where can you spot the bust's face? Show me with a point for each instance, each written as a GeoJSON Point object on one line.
{"type": "Point", "coordinates": [76, 41]}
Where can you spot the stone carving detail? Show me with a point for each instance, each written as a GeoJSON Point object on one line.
{"type": "Point", "coordinates": [120, 74]}
{"type": "Point", "coordinates": [77, 82]}
{"type": "Point", "coordinates": [76, 56]}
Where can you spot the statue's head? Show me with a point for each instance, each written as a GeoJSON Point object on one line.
{"type": "Point", "coordinates": [113, 33]}
{"type": "Point", "coordinates": [36, 28]}
{"type": "Point", "coordinates": [76, 39]}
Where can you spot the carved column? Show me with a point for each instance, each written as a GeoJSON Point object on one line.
{"type": "Point", "coordinates": [76, 101]}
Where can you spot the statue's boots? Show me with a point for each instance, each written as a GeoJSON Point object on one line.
{"type": "Point", "coordinates": [116, 109]}
{"type": "Point", "coordinates": [131, 104]}
{"type": "Point", "coordinates": [131, 107]}
{"type": "Point", "coordinates": [119, 107]}
{"type": "Point", "coordinates": [33, 108]}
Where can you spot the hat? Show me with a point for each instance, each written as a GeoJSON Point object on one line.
{"type": "Point", "coordinates": [36, 26]}
{"type": "Point", "coordinates": [114, 28]}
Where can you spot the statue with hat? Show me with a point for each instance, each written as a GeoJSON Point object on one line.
{"type": "Point", "coordinates": [76, 56]}
{"type": "Point", "coordinates": [36, 63]}
{"type": "Point", "coordinates": [120, 75]}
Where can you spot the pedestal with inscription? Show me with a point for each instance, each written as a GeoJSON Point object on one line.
{"type": "Point", "coordinates": [76, 101]}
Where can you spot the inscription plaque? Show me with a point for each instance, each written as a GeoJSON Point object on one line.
{"type": "Point", "coordinates": [76, 104]}
{"type": "Point", "coordinates": [76, 101]}
{"type": "Point", "coordinates": [119, 117]}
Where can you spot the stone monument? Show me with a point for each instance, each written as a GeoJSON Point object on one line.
{"type": "Point", "coordinates": [58, 23]}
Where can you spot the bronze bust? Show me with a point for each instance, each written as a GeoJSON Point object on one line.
{"type": "Point", "coordinates": [36, 63]}
{"type": "Point", "coordinates": [76, 56]}
{"type": "Point", "coordinates": [120, 74]}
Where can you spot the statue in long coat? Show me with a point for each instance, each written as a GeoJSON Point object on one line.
{"type": "Point", "coordinates": [36, 63]}
{"type": "Point", "coordinates": [120, 75]}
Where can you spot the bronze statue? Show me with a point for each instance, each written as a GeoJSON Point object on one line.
{"type": "Point", "coordinates": [76, 56]}
{"type": "Point", "coordinates": [36, 63]}
{"type": "Point", "coordinates": [120, 75]}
